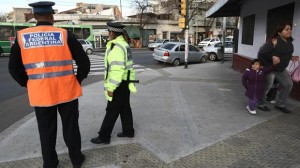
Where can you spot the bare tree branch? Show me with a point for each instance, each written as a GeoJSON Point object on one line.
{"type": "Point", "coordinates": [144, 15]}
{"type": "Point", "coordinates": [3, 17]}
{"type": "Point", "coordinates": [195, 7]}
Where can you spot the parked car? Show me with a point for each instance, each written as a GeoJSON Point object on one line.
{"type": "Point", "coordinates": [229, 38]}
{"type": "Point", "coordinates": [208, 42]}
{"type": "Point", "coordinates": [173, 53]}
{"type": "Point", "coordinates": [158, 43]}
{"type": "Point", "coordinates": [212, 50]}
{"type": "Point", "coordinates": [87, 46]}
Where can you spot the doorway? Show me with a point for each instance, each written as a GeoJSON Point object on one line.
{"type": "Point", "coordinates": [278, 15]}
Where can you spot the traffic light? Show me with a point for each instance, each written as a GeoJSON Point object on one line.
{"type": "Point", "coordinates": [182, 7]}
{"type": "Point", "coordinates": [181, 23]}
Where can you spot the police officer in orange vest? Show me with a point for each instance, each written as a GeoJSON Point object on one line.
{"type": "Point", "coordinates": [42, 61]}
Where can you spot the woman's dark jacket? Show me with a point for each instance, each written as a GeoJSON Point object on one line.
{"type": "Point", "coordinates": [283, 50]}
{"type": "Point", "coordinates": [253, 81]}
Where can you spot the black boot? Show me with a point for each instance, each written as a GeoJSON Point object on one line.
{"type": "Point", "coordinates": [98, 140]}
{"type": "Point", "coordinates": [121, 135]}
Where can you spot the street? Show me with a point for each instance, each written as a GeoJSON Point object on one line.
{"type": "Point", "coordinates": [14, 101]}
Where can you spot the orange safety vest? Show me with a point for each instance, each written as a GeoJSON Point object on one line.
{"type": "Point", "coordinates": [49, 66]}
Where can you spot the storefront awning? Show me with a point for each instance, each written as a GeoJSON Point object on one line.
{"type": "Point", "coordinates": [225, 8]}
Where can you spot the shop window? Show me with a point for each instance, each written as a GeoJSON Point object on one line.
{"type": "Point", "coordinates": [165, 35]}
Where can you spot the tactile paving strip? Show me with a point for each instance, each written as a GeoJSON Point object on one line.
{"type": "Point", "coordinates": [127, 156]}
{"type": "Point", "coordinates": [272, 144]}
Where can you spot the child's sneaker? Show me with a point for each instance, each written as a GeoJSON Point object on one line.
{"type": "Point", "coordinates": [251, 111]}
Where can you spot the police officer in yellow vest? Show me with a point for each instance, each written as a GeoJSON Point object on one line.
{"type": "Point", "coordinates": [42, 61]}
{"type": "Point", "coordinates": [119, 81]}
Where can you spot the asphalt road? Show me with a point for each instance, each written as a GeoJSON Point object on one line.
{"type": "Point", "coordinates": [14, 103]}
{"type": "Point", "coordinates": [13, 98]}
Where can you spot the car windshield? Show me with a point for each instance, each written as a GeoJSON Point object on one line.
{"type": "Point", "coordinates": [168, 46]}
{"type": "Point", "coordinates": [82, 41]}
{"type": "Point", "coordinates": [159, 41]}
{"type": "Point", "coordinates": [207, 39]}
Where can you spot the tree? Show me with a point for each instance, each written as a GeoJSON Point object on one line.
{"type": "Point", "coordinates": [143, 15]}
{"type": "Point", "coordinates": [195, 7]}
{"type": "Point", "coordinates": [3, 17]}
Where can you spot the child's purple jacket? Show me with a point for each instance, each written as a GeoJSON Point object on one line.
{"type": "Point", "coordinates": [253, 81]}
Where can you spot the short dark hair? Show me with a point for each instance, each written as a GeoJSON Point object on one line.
{"type": "Point", "coordinates": [256, 60]}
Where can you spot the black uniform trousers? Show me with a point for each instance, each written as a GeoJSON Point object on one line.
{"type": "Point", "coordinates": [120, 104]}
{"type": "Point", "coordinates": [47, 125]}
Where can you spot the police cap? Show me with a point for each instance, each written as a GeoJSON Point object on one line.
{"type": "Point", "coordinates": [42, 7]}
{"type": "Point", "coordinates": [115, 27]}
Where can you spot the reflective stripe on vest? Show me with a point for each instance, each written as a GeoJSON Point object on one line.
{"type": "Point", "coordinates": [50, 75]}
{"type": "Point", "coordinates": [48, 61]}
{"type": "Point", "coordinates": [121, 63]}
{"type": "Point", "coordinates": [48, 64]}
{"type": "Point", "coordinates": [114, 82]}
{"type": "Point", "coordinates": [33, 66]}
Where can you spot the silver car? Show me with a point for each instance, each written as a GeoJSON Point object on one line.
{"type": "Point", "coordinates": [173, 53]}
{"type": "Point", "coordinates": [213, 50]}
{"type": "Point", "coordinates": [87, 46]}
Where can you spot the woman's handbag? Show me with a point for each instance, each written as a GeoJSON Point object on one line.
{"type": "Point", "coordinates": [295, 73]}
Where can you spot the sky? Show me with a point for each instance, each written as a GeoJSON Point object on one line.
{"type": "Point", "coordinates": [62, 5]}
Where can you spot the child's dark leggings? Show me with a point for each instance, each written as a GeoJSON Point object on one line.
{"type": "Point", "coordinates": [252, 103]}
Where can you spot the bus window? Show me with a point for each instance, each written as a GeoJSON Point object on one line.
{"type": "Point", "coordinates": [17, 28]}
{"type": "Point", "coordinates": [78, 33]}
{"type": "Point", "coordinates": [70, 29]}
{"type": "Point", "coordinates": [86, 33]}
{"type": "Point", "coordinates": [6, 32]}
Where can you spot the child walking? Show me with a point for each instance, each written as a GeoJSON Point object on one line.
{"type": "Point", "coordinates": [253, 81]}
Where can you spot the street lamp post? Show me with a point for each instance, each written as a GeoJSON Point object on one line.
{"type": "Point", "coordinates": [186, 35]}
{"type": "Point", "coordinates": [121, 8]}
{"type": "Point", "coordinates": [223, 39]}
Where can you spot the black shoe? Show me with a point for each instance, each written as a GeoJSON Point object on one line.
{"type": "Point", "coordinates": [263, 108]}
{"type": "Point", "coordinates": [97, 140]}
{"type": "Point", "coordinates": [283, 109]}
{"type": "Point", "coordinates": [121, 135]}
{"type": "Point", "coordinates": [80, 164]}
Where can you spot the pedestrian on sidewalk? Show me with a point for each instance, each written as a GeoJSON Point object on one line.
{"type": "Point", "coordinates": [119, 81]}
{"type": "Point", "coordinates": [253, 81]}
{"type": "Point", "coordinates": [41, 60]}
{"type": "Point", "coordinates": [278, 50]}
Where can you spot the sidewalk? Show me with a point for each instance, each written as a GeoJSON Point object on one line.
{"type": "Point", "coordinates": [193, 117]}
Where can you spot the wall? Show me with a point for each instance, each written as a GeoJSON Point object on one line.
{"type": "Point", "coordinates": [19, 16]}
{"type": "Point", "coordinates": [260, 9]}
{"type": "Point", "coordinates": [160, 28]}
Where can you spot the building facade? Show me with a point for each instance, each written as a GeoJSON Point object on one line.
{"type": "Point", "coordinates": [158, 21]}
{"type": "Point", "coordinates": [258, 19]}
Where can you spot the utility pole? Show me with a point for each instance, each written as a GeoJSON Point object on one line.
{"type": "Point", "coordinates": [183, 23]}
{"type": "Point", "coordinates": [186, 36]}
{"type": "Point", "coordinates": [223, 39]}
{"type": "Point", "coordinates": [121, 8]}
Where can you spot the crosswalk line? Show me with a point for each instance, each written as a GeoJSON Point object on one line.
{"type": "Point", "coordinates": [97, 66]}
